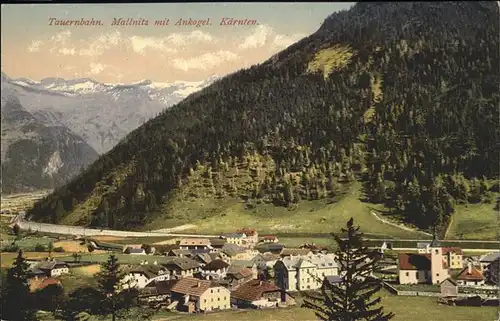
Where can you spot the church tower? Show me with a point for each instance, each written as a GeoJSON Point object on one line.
{"type": "Point", "coordinates": [439, 272]}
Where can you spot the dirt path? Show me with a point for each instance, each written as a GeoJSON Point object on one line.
{"type": "Point", "coordinates": [406, 228]}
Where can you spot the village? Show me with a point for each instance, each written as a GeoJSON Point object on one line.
{"type": "Point", "coordinates": [243, 270]}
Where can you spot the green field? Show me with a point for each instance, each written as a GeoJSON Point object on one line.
{"type": "Point", "coordinates": [212, 216]}
{"type": "Point", "coordinates": [405, 308]}
{"type": "Point", "coordinates": [476, 221]}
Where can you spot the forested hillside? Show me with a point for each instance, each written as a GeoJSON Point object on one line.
{"type": "Point", "coordinates": [402, 97]}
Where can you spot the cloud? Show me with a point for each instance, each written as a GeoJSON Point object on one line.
{"type": "Point", "coordinates": [170, 43]}
{"type": "Point", "coordinates": [96, 68]}
{"type": "Point", "coordinates": [196, 36]}
{"type": "Point", "coordinates": [60, 44]}
{"type": "Point", "coordinates": [97, 46]}
{"type": "Point", "coordinates": [258, 38]}
{"type": "Point", "coordinates": [283, 41]}
{"type": "Point", "coordinates": [264, 35]}
{"type": "Point", "coordinates": [35, 46]}
{"type": "Point", "coordinates": [141, 44]}
{"type": "Point", "coordinates": [205, 61]}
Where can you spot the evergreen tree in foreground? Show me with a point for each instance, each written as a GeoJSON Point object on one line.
{"type": "Point", "coordinates": [117, 300]}
{"type": "Point", "coordinates": [354, 298]}
{"type": "Point", "coordinates": [16, 297]}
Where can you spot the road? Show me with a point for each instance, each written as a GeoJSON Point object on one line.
{"type": "Point", "coordinates": [83, 231]}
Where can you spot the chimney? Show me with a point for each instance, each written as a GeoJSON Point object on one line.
{"type": "Point", "coordinates": [142, 262]}
{"type": "Point", "coordinates": [145, 262]}
{"type": "Point", "coordinates": [198, 284]}
{"type": "Point", "coordinates": [155, 263]}
{"type": "Point", "coordinates": [260, 282]}
{"type": "Point", "coordinates": [469, 268]}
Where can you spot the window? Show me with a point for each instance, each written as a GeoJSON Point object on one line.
{"type": "Point", "coordinates": [416, 274]}
{"type": "Point", "coordinates": [212, 291]}
{"type": "Point", "coordinates": [407, 273]}
{"type": "Point", "coordinates": [205, 301]}
{"type": "Point", "coordinates": [437, 251]}
{"type": "Point", "coordinates": [437, 274]}
{"type": "Point", "coordinates": [218, 299]}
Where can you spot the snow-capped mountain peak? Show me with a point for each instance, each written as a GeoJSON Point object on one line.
{"type": "Point", "coordinates": [101, 113]}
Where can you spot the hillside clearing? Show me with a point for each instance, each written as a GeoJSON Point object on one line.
{"type": "Point", "coordinates": [476, 221]}
{"type": "Point", "coordinates": [211, 215]}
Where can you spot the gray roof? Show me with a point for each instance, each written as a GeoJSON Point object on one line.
{"type": "Point", "coordinates": [150, 270]}
{"type": "Point", "coordinates": [49, 265]}
{"type": "Point", "coordinates": [319, 260]}
{"type": "Point", "coordinates": [423, 245]}
{"type": "Point", "coordinates": [182, 264]}
{"type": "Point", "coordinates": [134, 250]}
{"type": "Point", "coordinates": [490, 257]}
{"type": "Point", "coordinates": [333, 279]}
{"type": "Point", "coordinates": [232, 249]}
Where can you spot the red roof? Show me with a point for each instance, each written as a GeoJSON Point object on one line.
{"type": "Point", "coordinates": [269, 237]}
{"type": "Point", "coordinates": [247, 231]}
{"type": "Point", "coordinates": [474, 275]}
{"type": "Point", "coordinates": [253, 290]}
{"type": "Point", "coordinates": [455, 250]}
{"type": "Point", "coordinates": [410, 261]}
{"type": "Point", "coordinates": [35, 286]}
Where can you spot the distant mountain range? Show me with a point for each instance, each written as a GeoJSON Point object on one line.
{"type": "Point", "coordinates": [102, 114]}
{"type": "Point", "coordinates": [53, 128]}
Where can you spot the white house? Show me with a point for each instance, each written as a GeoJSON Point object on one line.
{"type": "Point", "coordinates": [140, 275]}
{"type": "Point", "coordinates": [215, 270]}
{"type": "Point", "coordinates": [53, 268]}
{"type": "Point", "coordinates": [298, 273]}
{"type": "Point", "coordinates": [470, 276]}
{"type": "Point", "coordinates": [200, 295]}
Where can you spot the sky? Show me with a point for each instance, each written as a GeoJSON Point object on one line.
{"type": "Point", "coordinates": [33, 48]}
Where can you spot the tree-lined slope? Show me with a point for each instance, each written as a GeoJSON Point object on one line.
{"type": "Point", "coordinates": [400, 96]}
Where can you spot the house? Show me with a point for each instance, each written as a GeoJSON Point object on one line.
{"type": "Point", "coordinates": [333, 279]}
{"type": "Point", "coordinates": [298, 273]}
{"type": "Point", "coordinates": [259, 294]}
{"type": "Point", "coordinates": [454, 257]}
{"type": "Point", "coordinates": [182, 253]}
{"type": "Point", "coordinates": [182, 267]}
{"type": "Point", "coordinates": [139, 276]}
{"type": "Point", "coordinates": [274, 248]}
{"type": "Point", "coordinates": [424, 248]}
{"type": "Point", "coordinates": [231, 251]}
{"type": "Point", "coordinates": [157, 291]}
{"type": "Point", "coordinates": [51, 268]}
{"type": "Point", "coordinates": [203, 258]}
{"type": "Point", "coordinates": [200, 295]}
{"type": "Point", "coordinates": [295, 252]}
{"type": "Point", "coordinates": [492, 274]}
{"type": "Point", "coordinates": [40, 284]}
{"type": "Point", "coordinates": [194, 244]}
{"type": "Point", "coordinates": [270, 239]}
{"type": "Point", "coordinates": [265, 260]}
{"type": "Point", "coordinates": [470, 276]}
{"type": "Point", "coordinates": [135, 251]}
{"type": "Point", "coordinates": [236, 238]}
{"type": "Point", "coordinates": [414, 268]}
{"type": "Point", "coordinates": [215, 270]}
{"type": "Point", "coordinates": [164, 249]}
{"type": "Point", "coordinates": [449, 288]}
{"type": "Point", "coordinates": [218, 243]}
{"type": "Point", "coordinates": [252, 237]}
{"type": "Point", "coordinates": [424, 268]}
{"type": "Point", "coordinates": [486, 260]}
{"type": "Point", "coordinates": [237, 275]}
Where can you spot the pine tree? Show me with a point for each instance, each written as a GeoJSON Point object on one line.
{"type": "Point", "coordinates": [117, 300]}
{"type": "Point", "coordinates": [353, 299]}
{"type": "Point", "coordinates": [17, 300]}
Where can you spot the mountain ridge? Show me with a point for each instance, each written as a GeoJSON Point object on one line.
{"type": "Point", "coordinates": [410, 115]}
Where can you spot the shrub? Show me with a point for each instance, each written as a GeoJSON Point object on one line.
{"type": "Point", "coordinates": [11, 248]}
{"type": "Point", "coordinates": [39, 248]}
{"type": "Point", "coordinates": [59, 249]}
